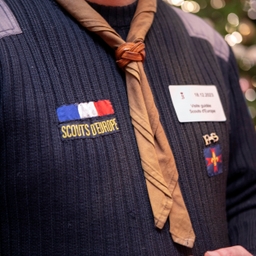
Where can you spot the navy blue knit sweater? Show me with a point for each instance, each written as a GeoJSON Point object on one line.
{"type": "Point", "coordinates": [65, 191]}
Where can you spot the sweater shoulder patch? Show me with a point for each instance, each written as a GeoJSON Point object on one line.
{"type": "Point", "coordinates": [8, 23]}
{"type": "Point", "coordinates": [196, 27]}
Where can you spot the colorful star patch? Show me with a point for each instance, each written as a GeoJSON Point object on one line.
{"type": "Point", "coordinates": [213, 160]}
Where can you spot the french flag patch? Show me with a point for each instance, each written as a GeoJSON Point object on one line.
{"type": "Point", "coordinates": [84, 110]}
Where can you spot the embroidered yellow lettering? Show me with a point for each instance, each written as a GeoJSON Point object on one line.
{"type": "Point", "coordinates": [86, 127]}
{"type": "Point", "coordinates": [72, 131]}
{"type": "Point", "coordinates": [69, 131]}
{"type": "Point", "coordinates": [86, 130]}
{"type": "Point", "coordinates": [104, 126]}
{"type": "Point", "coordinates": [98, 127]}
{"type": "Point", "coordinates": [93, 130]}
{"type": "Point", "coordinates": [64, 133]}
{"type": "Point", "coordinates": [115, 123]}
{"type": "Point", "coordinates": [110, 125]}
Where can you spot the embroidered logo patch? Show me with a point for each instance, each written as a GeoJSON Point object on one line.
{"type": "Point", "coordinates": [213, 160]}
{"type": "Point", "coordinates": [87, 120]}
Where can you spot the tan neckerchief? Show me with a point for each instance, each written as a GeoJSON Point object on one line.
{"type": "Point", "coordinates": [156, 156]}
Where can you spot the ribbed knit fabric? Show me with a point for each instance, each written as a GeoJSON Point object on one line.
{"type": "Point", "coordinates": [87, 196]}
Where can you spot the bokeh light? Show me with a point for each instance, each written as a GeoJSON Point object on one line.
{"type": "Point", "coordinates": [190, 6]}
{"type": "Point", "coordinates": [233, 19]}
{"type": "Point", "coordinates": [252, 14]}
{"type": "Point", "coordinates": [217, 4]}
{"type": "Point", "coordinates": [244, 29]}
{"type": "Point", "coordinates": [250, 95]}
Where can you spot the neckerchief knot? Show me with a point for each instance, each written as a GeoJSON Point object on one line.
{"type": "Point", "coordinates": [128, 52]}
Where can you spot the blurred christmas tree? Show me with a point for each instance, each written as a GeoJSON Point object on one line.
{"type": "Point", "coordinates": [235, 20]}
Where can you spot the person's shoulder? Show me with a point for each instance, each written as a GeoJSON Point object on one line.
{"type": "Point", "coordinates": [197, 27]}
{"type": "Point", "coordinates": [8, 23]}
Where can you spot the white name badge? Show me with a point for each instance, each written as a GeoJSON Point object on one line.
{"type": "Point", "coordinates": [197, 103]}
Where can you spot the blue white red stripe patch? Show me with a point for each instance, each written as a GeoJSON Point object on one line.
{"type": "Point", "coordinates": [213, 160]}
{"type": "Point", "coordinates": [84, 110]}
